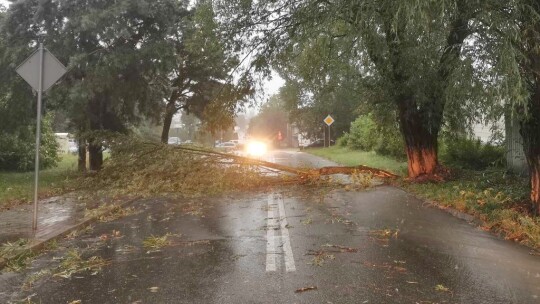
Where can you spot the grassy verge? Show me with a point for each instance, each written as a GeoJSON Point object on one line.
{"type": "Point", "coordinates": [496, 198]}
{"type": "Point", "coordinates": [18, 187]}
{"type": "Point", "coordinates": [349, 157]}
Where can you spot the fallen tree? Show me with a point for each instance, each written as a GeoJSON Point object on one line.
{"type": "Point", "coordinates": [154, 168]}
{"type": "Point", "coordinates": [302, 173]}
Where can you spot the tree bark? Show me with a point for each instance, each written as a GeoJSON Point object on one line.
{"type": "Point", "coordinates": [420, 140]}
{"type": "Point", "coordinates": [170, 110]}
{"type": "Point", "coordinates": [530, 131]}
{"type": "Point", "coordinates": [96, 156]}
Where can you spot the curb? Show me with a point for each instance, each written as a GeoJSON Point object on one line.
{"type": "Point", "coordinates": [37, 245]}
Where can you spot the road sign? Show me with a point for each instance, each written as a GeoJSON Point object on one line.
{"type": "Point", "coordinates": [329, 120]}
{"type": "Point", "coordinates": [52, 70]}
{"type": "Point", "coordinates": [41, 70]}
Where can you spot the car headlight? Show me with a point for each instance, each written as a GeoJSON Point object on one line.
{"type": "Point", "coordinates": [256, 148]}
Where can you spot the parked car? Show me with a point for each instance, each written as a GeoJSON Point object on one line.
{"type": "Point", "coordinates": [174, 141]}
{"type": "Point", "coordinates": [226, 146]}
{"type": "Point", "coordinates": [318, 143]}
{"type": "Point", "coordinates": [73, 149]}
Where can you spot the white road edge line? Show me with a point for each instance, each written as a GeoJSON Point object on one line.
{"type": "Point", "coordinates": [270, 236]}
{"type": "Point", "coordinates": [289, 259]}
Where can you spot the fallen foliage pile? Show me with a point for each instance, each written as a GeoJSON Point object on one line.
{"type": "Point", "coordinates": [141, 168]}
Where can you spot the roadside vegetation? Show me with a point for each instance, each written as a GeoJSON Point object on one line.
{"type": "Point", "coordinates": [18, 187]}
{"type": "Point", "coordinates": [349, 157]}
{"type": "Point", "coordinates": [498, 199]}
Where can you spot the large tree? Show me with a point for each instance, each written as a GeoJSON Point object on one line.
{"type": "Point", "coordinates": [115, 51]}
{"type": "Point", "coordinates": [405, 53]}
{"type": "Point", "coordinates": [514, 45]}
{"type": "Point", "coordinates": [530, 119]}
{"type": "Point", "coordinates": [200, 81]}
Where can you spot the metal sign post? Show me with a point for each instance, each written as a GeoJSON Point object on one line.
{"type": "Point", "coordinates": [41, 70]}
{"type": "Point", "coordinates": [329, 120]}
{"type": "Point", "coordinates": [38, 136]}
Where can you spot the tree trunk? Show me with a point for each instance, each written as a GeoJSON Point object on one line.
{"type": "Point", "coordinates": [96, 156]}
{"type": "Point", "coordinates": [530, 131]}
{"type": "Point", "coordinates": [420, 140]}
{"type": "Point", "coordinates": [170, 110]}
{"type": "Point", "coordinates": [81, 162]}
{"type": "Point", "coordinates": [534, 165]}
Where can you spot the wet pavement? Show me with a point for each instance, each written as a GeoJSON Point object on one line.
{"type": "Point", "coordinates": [55, 214]}
{"type": "Point", "coordinates": [380, 245]}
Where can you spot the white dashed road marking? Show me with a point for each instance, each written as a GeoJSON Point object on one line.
{"type": "Point", "coordinates": [277, 222]}
{"type": "Point", "coordinates": [289, 258]}
{"type": "Point", "coordinates": [271, 227]}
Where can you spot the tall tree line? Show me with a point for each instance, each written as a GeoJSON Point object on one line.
{"type": "Point", "coordinates": [427, 63]}
{"type": "Point", "coordinates": [127, 60]}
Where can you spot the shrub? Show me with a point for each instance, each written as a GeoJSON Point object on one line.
{"type": "Point", "coordinates": [363, 134]}
{"type": "Point", "coordinates": [471, 154]}
{"type": "Point", "coordinates": [366, 135]}
{"type": "Point", "coordinates": [17, 149]}
{"type": "Point", "coordinates": [390, 143]}
{"type": "Point", "coordinates": [343, 141]}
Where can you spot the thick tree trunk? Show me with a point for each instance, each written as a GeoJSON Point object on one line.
{"type": "Point", "coordinates": [421, 160]}
{"type": "Point", "coordinates": [170, 110]}
{"type": "Point", "coordinates": [420, 140]}
{"type": "Point", "coordinates": [96, 156]}
{"type": "Point", "coordinates": [530, 131]}
{"type": "Point", "coordinates": [535, 183]}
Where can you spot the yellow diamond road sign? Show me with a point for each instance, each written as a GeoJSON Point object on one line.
{"type": "Point", "coordinates": [329, 120]}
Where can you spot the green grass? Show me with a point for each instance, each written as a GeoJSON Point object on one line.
{"type": "Point", "coordinates": [347, 157]}
{"type": "Point", "coordinates": [18, 187]}
{"type": "Point", "coordinates": [498, 199]}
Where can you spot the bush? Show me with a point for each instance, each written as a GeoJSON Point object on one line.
{"type": "Point", "coordinates": [364, 135]}
{"type": "Point", "coordinates": [343, 141]}
{"type": "Point", "coordinates": [390, 143]}
{"type": "Point", "coordinates": [17, 149]}
{"type": "Point", "coordinates": [470, 153]}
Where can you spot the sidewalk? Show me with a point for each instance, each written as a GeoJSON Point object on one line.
{"type": "Point", "coordinates": [55, 216]}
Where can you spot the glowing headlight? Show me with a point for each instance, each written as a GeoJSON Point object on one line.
{"type": "Point", "coordinates": [256, 148]}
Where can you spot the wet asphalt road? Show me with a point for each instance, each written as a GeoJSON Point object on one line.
{"type": "Point", "coordinates": [375, 246]}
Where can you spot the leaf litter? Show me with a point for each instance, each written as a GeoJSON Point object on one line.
{"type": "Point", "coordinates": [303, 289]}
{"type": "Point", "coordinates": [320, 257]}
{"type": "Point", "coordinates": [156, 243]}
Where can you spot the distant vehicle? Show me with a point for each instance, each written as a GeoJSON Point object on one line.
{"type": "Point", "coordinates": [256, 148]}
{"type": "Point", "coordinates": [226, 146]}
{"type": "Point", "coordinates": [318, 143]}
{"type": "Point", "coordinates": [187, 142]}
{"type": "Point", "coordinates": [174, 141]}
{"type": "Point", "coordinates": [73, 148]}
